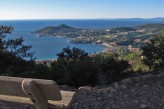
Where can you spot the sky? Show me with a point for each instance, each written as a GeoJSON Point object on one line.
{"type": "Point", "coordinates": [80, 9]}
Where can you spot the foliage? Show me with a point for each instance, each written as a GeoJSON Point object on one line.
{"type": "Point", "coordinates": [122, 29]}
{"type": "Point", "coordinates": [154, 51]}
{"type": "Point", "coordinates": [76, 68]}
{"type": "Point", "coordinates": [12, 54]}
{"type": "Point", "coordinates": [15, 46]}
{"type": "Point", "coordinates": [136, 62]}
{"type": "Point", "coordinates": [71, 54]}
{"type": "Point", "coordinates": [40, 71]}
{"type": "Point", "coordinates": [112, 68]}
{"type": "Point", "coordinates": [73, 67]}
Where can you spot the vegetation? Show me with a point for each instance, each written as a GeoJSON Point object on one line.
{"type": "Point", "coordinates": [150, 27]}
{"type": "Point", "coordinates": [12, 54]}
{"type": "Point", "coordinates": [77, 68]}
{"type": "Point", "coordinates": [137, 65]}
{"type": "Point", "coordinates": [122, 29]}
{"type": "Point", "coordinates": [153, 51]}
{"type": "Point", "coordinates": [61, 30]}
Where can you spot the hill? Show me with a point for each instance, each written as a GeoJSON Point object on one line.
{"type": "Point", "coordinates": [140, 27]}
{"type": "Point", "coordinates": [60, 30]}
{"type": "Point", "coordinates": [156, 19]}
{"type": "Point", "coordinates": [150, 26]}
{"type": "Point", "coordinates": [122, 29]}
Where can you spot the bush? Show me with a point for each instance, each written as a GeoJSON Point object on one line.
{"type": "Point", "coordinates": [39, 71]}
{"type": "Point", "coordinates": [112, 68]}
{"type": "Point", "coordinates": [81, 69]}
{"type": "Point", "coordinates": [74, 67]}
{"type": "Point", "coordinates": [154, 52]}
{"type": "Point", "coordinates": [136, 62]}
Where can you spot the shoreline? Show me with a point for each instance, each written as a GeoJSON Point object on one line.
{"type": "Point", "coordinates": [106, 47]}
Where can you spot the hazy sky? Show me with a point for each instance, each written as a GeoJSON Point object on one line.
{"type": "Point", "coordinates": [80, 9]}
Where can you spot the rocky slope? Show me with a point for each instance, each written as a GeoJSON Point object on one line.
{"type": "Point", "coordinates": [145, 92]}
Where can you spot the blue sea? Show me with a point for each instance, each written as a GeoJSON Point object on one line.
{"type": "Point", "coordinates": [47, 47]}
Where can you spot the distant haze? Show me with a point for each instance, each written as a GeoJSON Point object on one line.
{"type": "Point", "coordinates": [80, 9]}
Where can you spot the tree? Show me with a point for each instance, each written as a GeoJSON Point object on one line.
{"type": "Point", "coordinates": [13, 54]}
{"type": "Point", "coordinates": [74, 67]}
{"type": "Point", "coordinates": [3, 31]}
{"type": "Point", "coordinates": [136, 62]}
{"type": "Point", "coordinates": [14, 46]}
{"type": "Point", "coordinates": [112, 68]}
{"type": "Point", "coordinates": [154, 51]}
{"type": "Point", "coordinates": [73, 54]}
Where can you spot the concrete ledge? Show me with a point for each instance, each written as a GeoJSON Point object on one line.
{"type": "Point", "coordinates": [63, 104]}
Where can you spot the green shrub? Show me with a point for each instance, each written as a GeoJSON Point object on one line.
{"type": "Point", "coordinates": [154, 52]}
{"type": "Point", "coordinates": [81, 69]}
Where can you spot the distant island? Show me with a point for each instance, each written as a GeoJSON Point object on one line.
{"type": "Point", "coordinates": [114, 38]}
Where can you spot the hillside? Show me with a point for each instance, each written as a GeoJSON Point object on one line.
{"type": "Point", "coordinates": [134, 93]}
{"type": "Point", "coordinates": [123, 29]}
{"type": "Point", "coordinates": [150, 27]}
{"type": "Point", "coordinates": [140, 27]}
{"type": "Point", "coordinates": [60, 30]}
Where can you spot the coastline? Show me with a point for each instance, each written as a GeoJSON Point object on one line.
{"type": "Point", "coordinates": [46, 61]}
{"type": "Point", "coordinates": [106, 47]}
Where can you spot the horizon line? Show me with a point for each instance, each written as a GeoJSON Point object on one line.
{"type": "Point", "coordinates": [88, 18]}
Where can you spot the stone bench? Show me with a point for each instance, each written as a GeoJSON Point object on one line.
{"type": "Point", "coordinates": [44, 94]}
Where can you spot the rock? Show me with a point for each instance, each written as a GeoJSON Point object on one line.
{"type": "Point", "coordinates": [116, 85]}
{"type": "Point", "coordinates": [124, 87]}
{"type": "Point", "coordinates": [136, 101]}
{"type": "Point", "coordinates": [84, 88]}
{"type": "Point", "coordinates": [143, 106]}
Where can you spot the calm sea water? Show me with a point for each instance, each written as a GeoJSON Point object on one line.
{"type": "Point", "coordinates": [47, 47]}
